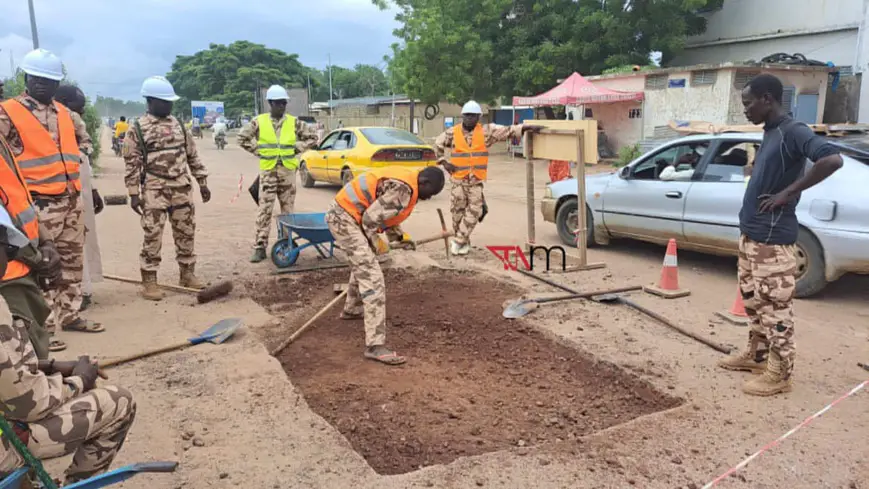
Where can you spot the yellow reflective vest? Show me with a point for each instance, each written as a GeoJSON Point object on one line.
{"type": "Point", "coordinates": [270, 149]}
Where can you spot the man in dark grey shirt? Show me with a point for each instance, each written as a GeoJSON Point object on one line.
{"type": "Point", "coordinates": [769, 229]}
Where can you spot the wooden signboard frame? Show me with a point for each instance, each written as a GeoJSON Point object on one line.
{"type": "Point", "coordinates": [559, 148]}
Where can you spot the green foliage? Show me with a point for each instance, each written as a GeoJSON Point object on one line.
{"type": "Point", "coordinates": [232, 73]}
{"type": "Point", "coordinates": [457, 50]}
{"type": "Point", "coordinates": [628, 154]}
{"type": "Point", "coordinates": [15, 86]}
{"type": "Point", "coordinates": [92, 120]}
{"type": "Point", "coordinates": [112, 107]}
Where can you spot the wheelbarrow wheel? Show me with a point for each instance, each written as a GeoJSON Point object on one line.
{"type": "Point", "coordinates": [284, 253]}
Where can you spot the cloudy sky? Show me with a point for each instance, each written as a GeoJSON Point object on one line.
{"type": "Point", "coordinates": [110, 47]}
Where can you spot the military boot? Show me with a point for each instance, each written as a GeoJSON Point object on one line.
{"type": "Point", "coordinates": [189, 279]}
{"type": "Point", "coordinates": [259, 254]}
{"type": "Point", "coordinates": [775, 379]}
{"type": "Point", "coordinates": [150, 290]}
{"type": "Point", "coordinates": [752, 359]}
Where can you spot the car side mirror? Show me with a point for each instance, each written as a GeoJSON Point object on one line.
{"type": "Point", "coordinates": [625, 172]}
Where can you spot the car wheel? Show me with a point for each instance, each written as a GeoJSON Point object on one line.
{"type": "Point", "coordinates": [346, 176]}
{"type": "Point", "coordinates": [307, 180]}
{"type": "Point", "coordinates": [566, 221]}
{"type": "Point", "coordinates": [811, 269]}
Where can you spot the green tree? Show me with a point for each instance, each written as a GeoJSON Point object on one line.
{"type": "Point", "coordinates": [112, 107]}
{"type": "Point", "coordinates": [232, 74]}
{"type": "Point", "coordinates": [14, 86]}
{"type": "Point", "coordinates": [456, 50]}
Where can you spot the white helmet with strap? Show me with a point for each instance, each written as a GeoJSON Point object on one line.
{"type": "Point", "coordinates": [277, 92]}
{"type": "Point", "coordinates": [472, 108]}
{"type": "Point", "coordinates": [160, 88]}
{"type": "Point", "coordinates": [42, 63]}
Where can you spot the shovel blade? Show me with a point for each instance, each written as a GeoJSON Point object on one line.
{"type": "Point", "coordinates": [519, 308]}
{"type": "Point", "coordinates": [219, 332]}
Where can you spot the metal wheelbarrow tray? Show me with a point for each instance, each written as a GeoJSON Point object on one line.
{"type": "Point", "coordinates": [299, 231]}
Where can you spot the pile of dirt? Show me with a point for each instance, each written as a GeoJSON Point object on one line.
{"type": "Point", "coordinates": [474, 382]}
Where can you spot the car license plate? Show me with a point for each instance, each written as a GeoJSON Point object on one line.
{"type": "Point", "coordinates": [408, 155]}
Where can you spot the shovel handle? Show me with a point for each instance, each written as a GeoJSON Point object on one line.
{"type": "Point", "coordinates": [143, 354]}
{"type": "Point", "coordinates": [683, 331]}
{"type": "Point", "coordinates": [440, 236]}
{"type": "Point", "coordinates": [308, 324]}
{"type": "Point", "coordinates": [176, 288]}
{"type": "Point", "coordinates": [587, 295]}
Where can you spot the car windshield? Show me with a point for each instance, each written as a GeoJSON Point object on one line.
{"type": "Point", "coordinates": [387, 136]}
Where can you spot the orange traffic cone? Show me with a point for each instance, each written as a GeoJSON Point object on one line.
{"type": "Point", "coordinates": [668, 286]}
{"type": "Point", "coordinates": [736, 315]}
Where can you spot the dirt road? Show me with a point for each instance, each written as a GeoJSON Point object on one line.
{"type": "Point", "coordinates": [231, 417]}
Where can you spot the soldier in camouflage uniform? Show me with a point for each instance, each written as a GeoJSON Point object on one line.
{"type": "Point", "coordinates": [267, 137]}
{"type": "Point", "coordinates": [158, 150]}
{"type": "Point", "coordinates": [466, 196]}
{"type": "Point", "coordinates": [55, 407]}
{"type": "Point", "coordinates": [60, 212]}
{"type": "Point", "coordinates": [375, 201]}
{"type": "Point", "coordinates": [769, 231]}
{"type": "Point", "coordinates": [74, 99]}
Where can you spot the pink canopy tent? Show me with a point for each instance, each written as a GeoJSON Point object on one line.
{"type": "Point", "coordinates": [576, 90]}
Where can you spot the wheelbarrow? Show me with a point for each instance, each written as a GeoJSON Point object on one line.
{"type": "Point", "coordinates": [299, 231]}
{"type": "Point", "coordinates": [17, 478]}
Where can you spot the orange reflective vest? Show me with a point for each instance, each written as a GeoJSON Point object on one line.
{"type": "Point", "coordinates": [358, 195]}
{"type": "Point", "coordinates": [470, 160]}
{"type": "Point", "coordinates": [18, 203]}
{"type": "Point", "coordinates": [47, 169]}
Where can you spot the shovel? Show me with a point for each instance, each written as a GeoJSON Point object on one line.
{"type": "Point", "coordinates": [217, 334]}
{"type": "Point", "coordinates": [522, 307]}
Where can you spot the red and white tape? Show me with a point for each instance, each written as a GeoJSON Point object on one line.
{"type": "Point", "coordinates": [772, 444]}
{"type": "Point", "coordinates": [235, 197]}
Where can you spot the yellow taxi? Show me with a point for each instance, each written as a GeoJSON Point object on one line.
{"type": "Point", "coordinates": [350, 151]}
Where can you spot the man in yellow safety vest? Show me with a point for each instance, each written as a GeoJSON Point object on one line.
{"type": "Point", "coordinates": [276, 138]}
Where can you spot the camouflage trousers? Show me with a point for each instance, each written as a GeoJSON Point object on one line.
{"type": "Point", "coordinates": [466, 207]}
{"type": "Point", "coordinates": [767, 284]}
{"type": "Point", "coordinates": [61, 216]}
{"type": "Point", "coordinates": [278, 182]}
{"type": "Point", "coordinates": [176, 204]}
{"type": "Point", "coordinates": [366, 290]}
{"type": "Point", "coordinates": [93, 426]}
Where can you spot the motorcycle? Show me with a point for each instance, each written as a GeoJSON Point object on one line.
{"type": "Point", "coordinates": [117, 143]}
{"type": "Point", "coordinates": [220, 141]}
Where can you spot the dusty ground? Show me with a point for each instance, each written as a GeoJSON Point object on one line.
{"type": "Point", "coordinates": [476, 382]}
{"type": "Point", "coordinates": [231, 417]}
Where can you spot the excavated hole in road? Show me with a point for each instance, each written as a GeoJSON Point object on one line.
{"type": "Point", "coordinates": [474, 382]}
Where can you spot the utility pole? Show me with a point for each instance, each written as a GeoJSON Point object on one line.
{"type": "Point", "coordinates": [331, 108]}
{"type": "Point", "coordinates": [33, 32]}
{"type": "Point", "coordinates": [309, 93]}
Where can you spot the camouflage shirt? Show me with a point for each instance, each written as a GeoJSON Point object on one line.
{"type": "Point", "coordinates": [168, 155]}
{"type": "Point", "coordinates": [87, 146]}
{"type": "Point", "coordinates": [493, 133]}
{"type": "Point", "coordinates": [248, 137]}
{"type": "Point", "coordinates": [391, 197]}
{"type": "Point", "coordinates": [45, 114]}
{"type": "Point", "coordinates": [26, 393]}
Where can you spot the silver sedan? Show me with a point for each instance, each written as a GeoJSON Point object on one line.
{"type": "Point", "coordinates": [698, 198]}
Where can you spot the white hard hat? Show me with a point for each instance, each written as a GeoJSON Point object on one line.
{"type": "Point", "coordinates": [159, 87]}
{"type": "Point", "coordinates": [277, 92]}
{"type": "Point", "coordinates": [42, 63]}
{"type": "Point", "coordinates": [13, 235]}
{"type": "Point", "coordinates": [472, 108]}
